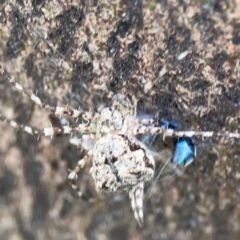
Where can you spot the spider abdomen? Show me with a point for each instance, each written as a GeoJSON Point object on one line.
{"type": "Point", "coordinates": [120, 162]}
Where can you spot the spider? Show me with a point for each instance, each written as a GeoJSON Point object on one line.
{"type": "Point", "coordinates": [120, 162]}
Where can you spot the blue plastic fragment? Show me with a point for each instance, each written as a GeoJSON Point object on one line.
{"type": "Point", "coordinates": [166, 124]}
{"type": "Point", "coordinates": [184, 150]}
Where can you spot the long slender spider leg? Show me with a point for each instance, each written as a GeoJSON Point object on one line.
{"type": "Point", "coordinates": [75, 113]}
{"type": "Point", "coordinates": [136, 198]}
{"type": "Point", "coordinates": [72, 177]}
{"type": "Point", "coordinates": [31, 130]}
{"type": "Point", "coordinates": [175, 133]}
{"type": "Point", "coordinates": [144, 121]}
{"type": "Point", "coordinates": [50, 131]}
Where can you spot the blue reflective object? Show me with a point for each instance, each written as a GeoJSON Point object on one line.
{"type": "Point", "coordinates": [166, 124]}
{"type": "Point", "coordinates": [184, 151]}
{"type": "Point", "coordinates": [149, 139]}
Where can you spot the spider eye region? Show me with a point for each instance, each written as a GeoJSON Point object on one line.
{"type": "Point", "coordinates": [117, 165]}
{"type": "Point", "coordinates": [111, 119]}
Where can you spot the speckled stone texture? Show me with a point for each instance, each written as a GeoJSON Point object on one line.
{"type": "Point", "coordinates": [180, 58]}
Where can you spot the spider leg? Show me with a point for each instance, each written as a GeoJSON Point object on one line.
{"type": "Point", "coordinates": [136, 198]}
{"type": "Point", "coordinates": [144, 121]}
{"type": "Point", "coordinates": [87, 116]}
{"type": "Point", "coordinates": [72, 177]}
{"type": "Point", "coordinates": [50, 131]}
{"type": "Point", "coordinates": [174, 133]}
{"type": "Point", "coordinates": [32, 130]}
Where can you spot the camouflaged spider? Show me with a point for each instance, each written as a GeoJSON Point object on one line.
{"type": "Point", "coordinates": [120, 162]}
